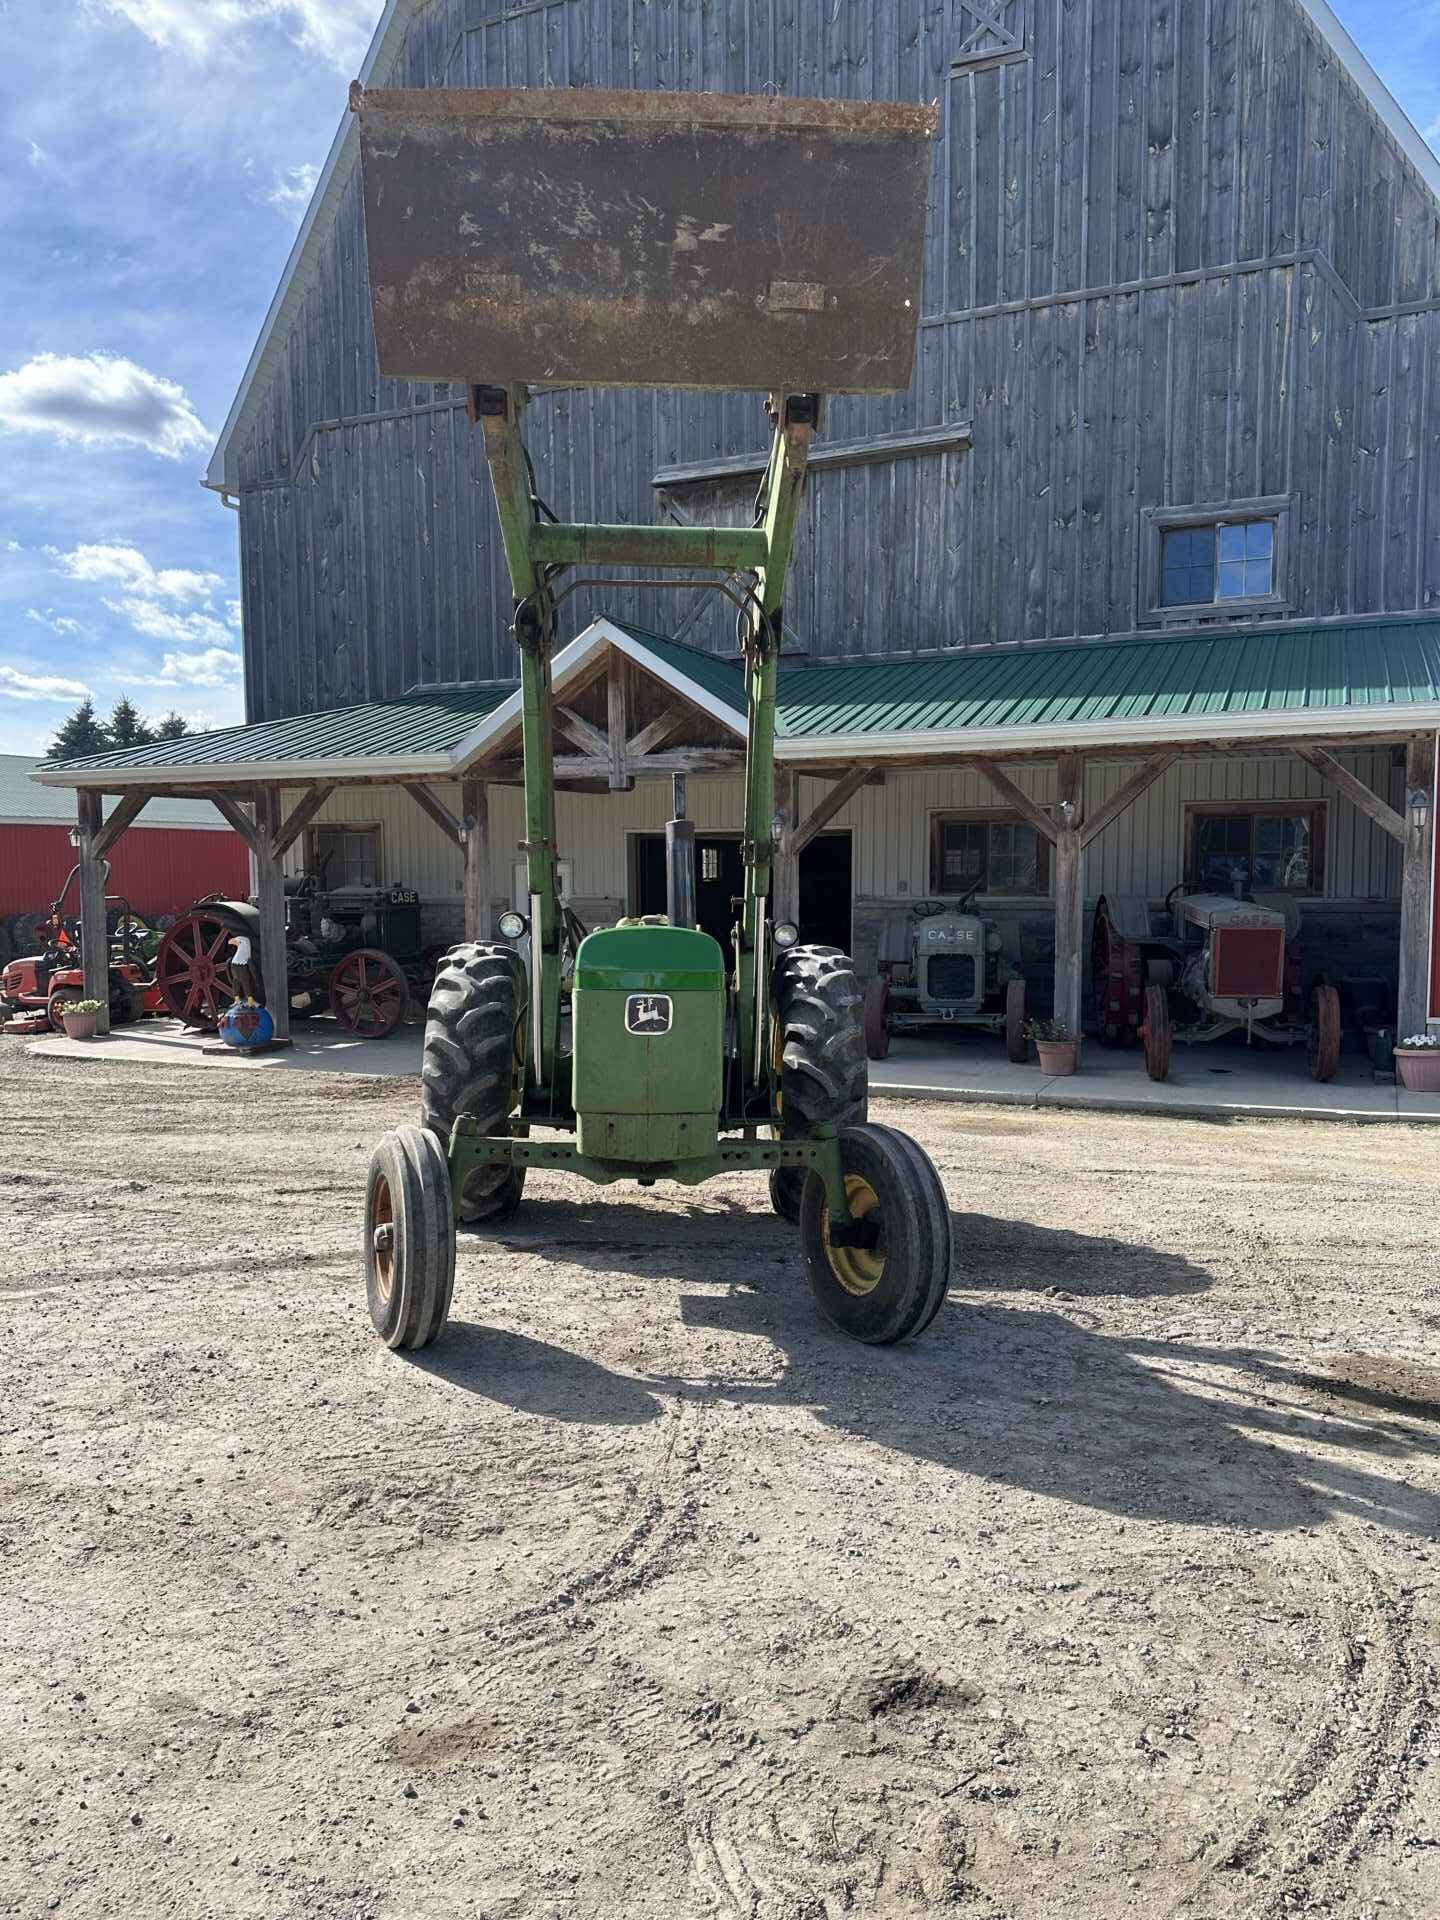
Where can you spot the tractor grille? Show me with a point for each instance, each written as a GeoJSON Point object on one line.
{"type": "Point", "coordinates": [1249, 963]}
{"type": "Point", "coordinates": [951, 976]}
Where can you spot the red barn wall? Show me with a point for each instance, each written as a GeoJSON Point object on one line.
{"type": "Point", "coordinates": [157, 869]}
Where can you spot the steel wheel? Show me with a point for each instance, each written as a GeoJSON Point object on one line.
{"type": "Point", "coordinates": [876, 1016]}
{"type": "Point", "coordinates": [192, 968]}
{"type": "Point", "coordinates": [368, 994]}
{"type": "Point", "coordinates": [892, 1280]}
{"type": "Point", "coordinates": [1324, 1033]}
{"type": "Point", "coordinates": [1155, 1032]}
{"type": "Point", "coordinates": [1017, 1047]}
{"type": "Point", "coordinates": [409, 1246]}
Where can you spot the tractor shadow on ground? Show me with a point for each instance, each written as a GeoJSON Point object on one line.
{"type": "Point", "coordinates": [529, 1376]}
{"type": "Point", "coordinates": [1154, 1426]}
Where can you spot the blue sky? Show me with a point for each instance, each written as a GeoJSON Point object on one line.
{"type": "Point", "coordinates": [154, 161]}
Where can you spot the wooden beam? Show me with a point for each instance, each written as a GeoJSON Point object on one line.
{"type": "Point", "coordinates": [579, 767]}
{"type": "Point", "coordinates": [1412, 998]}
{"type": "Point", "coordinates": [270, 891]}
{"type": "Point", "coordinates": [303, 813]}
{"type": "Point", "coordinates": [94, 934]}
{"type": "Point", "coordinates": [127, 808]}
{"type": "Point", "coordinates": [475, 831]}
{"type": "Point", "coordinates": [618, 696]}
{"type": "Point", "coordinates": [229, 806]}
{"type": "Point", "coordinates": [1356, 792]}
{"type": "Point", "coordinates": [1070, 891]}
{"type": "Point", "coordinates": [430, 803]}
{"type": "Point", "coordinates": [843, 791]}
{"type": "Point", "coordinates": [1017, 798]}
{"type": "Point", "coordinates": [1121, 801]}
{"type": "Point", "coordinates": [587, 738]}
{"type": "Point", "coordinates": [658, 729]}
{"type": "Point", "coordinates": [785, 876]}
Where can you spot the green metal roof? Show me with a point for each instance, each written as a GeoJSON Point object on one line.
{"type": "Point", "coordinates": [424, 724]}
{"type": "Point", "coordinates": [1262, 670]}
{"type": "Point", "coordinates": [1179, 685]}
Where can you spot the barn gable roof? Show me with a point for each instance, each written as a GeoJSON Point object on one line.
{"type": "Point", "coordinates": [304, 262]}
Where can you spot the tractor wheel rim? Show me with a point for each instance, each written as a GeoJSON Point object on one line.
{"type": "Point", "coordinates": [382, 1214]}
{"type": "Point", "coordinates": [858, 1269]}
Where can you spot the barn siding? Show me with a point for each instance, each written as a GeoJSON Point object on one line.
{"type": "Point", "coordinates": [157, 869]}
{"type": "Point", "coordinates": [1162, 258]}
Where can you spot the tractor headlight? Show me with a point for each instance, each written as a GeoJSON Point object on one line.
{"type": "Point", "coordinates": [513, 926]}
{"type": "Point", "coordinates": [785, 934]}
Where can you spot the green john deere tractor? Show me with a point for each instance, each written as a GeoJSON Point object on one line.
{"type": "Point", "coordinates": [582, 238]}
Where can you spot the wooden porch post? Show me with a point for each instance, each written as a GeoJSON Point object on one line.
{"type": "Point", "coordinates": [270, 891]}
{"type": "Point", "coordinates": [475, 806]}
{"type": "Point", "coordinates": [1413, 993]}
{"type": "Point", "coordinates": [1070, 890]}
{"type": "Point", "coordinates": [94, 935]}
{"type": "Point", "coordinates": [785, 881]}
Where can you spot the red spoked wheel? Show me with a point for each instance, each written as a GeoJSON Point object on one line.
{"type": "Point", "coordinates": [368, 994]}
{"type": "Point", "coordinates": [1155, 1032]}
{"type": "Point", "coordinates": [192, 966]}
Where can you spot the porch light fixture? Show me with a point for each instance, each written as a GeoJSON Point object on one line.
{"type": "Point", "coordinates": [1417, 803]}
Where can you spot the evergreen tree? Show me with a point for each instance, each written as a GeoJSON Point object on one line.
{"type": "Point", "coordinates": [173, 727]}
{"type": "Point", "coordinates": [81, 733]}
{"type": "Point", "coordinates": [126, 728]}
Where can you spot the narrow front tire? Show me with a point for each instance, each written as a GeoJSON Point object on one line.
{"type": "Point", "coordinates": [891, 1283]}
{"type": "Point", "coordinates": [409, 1247]}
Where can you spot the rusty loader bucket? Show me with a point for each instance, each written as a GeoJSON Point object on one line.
{"type": "Point", "coordinates": [596, 238]}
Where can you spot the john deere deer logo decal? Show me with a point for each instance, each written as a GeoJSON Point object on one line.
{"type": "Point", "coordinates": [647, 1013]}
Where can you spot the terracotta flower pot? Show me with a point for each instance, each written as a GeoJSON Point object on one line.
{"type": "Point", "coordinates": [1419, 1068]}
{"type": "Point", "coordinates": [80, 1026]}
{"type": "Point", "coordinates": [1058, 1056]}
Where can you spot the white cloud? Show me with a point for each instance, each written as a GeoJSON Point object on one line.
{"type": "Point", "coordinates": [291, 193]}
{"type": "Point", "coordinates": [108, 564]}
{"type": "Point", "coordinates": [103, 400]}
{"type": "Point", "coordinates": [211, 667]}
{"type": "Point", "coordinates": [334, 30]}
{"type": "Point", "coordinates": [36, 154]}
{"type": "Point", "coordinates": [182, 629]}
{"type": "Point", "coordinates": [56, 622]}
{"type": "Point", "coordinates": [15, 685]}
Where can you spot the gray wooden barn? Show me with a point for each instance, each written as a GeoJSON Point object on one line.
{"type": "Point", "coordinates": [1139, 581]}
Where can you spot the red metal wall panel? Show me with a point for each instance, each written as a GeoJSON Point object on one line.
{"type": "Point", "coordinates": [158, 869]}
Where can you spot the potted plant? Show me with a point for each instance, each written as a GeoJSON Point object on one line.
{"type": "Point", "coordinates": [1418, 1062]}
{"type": "Point", "coordinates": [1057, 1046]}
{"type": "Point", "coordinates": [79, 1017]}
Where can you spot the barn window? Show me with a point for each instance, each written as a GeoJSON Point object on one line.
{"type": "Point", "coordinates": [998, 851]}
{"type": "Point", "coordinates": [345, 856]}
{"type": "Point", "coordinates": [1277, 848]}
{"type": "Point", "coordinates": [1227, 560]}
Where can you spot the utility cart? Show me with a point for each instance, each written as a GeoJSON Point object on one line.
{"type": "Point", "coordinates": [576, 238]}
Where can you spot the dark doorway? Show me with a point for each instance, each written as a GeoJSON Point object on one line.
{"type": "Point", "coordinates": [825, 880]}
{"type": "Point", "coordinates": [719, 878]}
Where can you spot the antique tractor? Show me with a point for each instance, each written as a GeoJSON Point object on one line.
{"type": "Point", "coordinates": [958, 975]}
{"type": "Point", "coordinates": [1231, 962]}
{"type": "Point", "coordinates": [585, 238]}
{"type": "Point", "coordinates": [35, 986]}
{"type": "Point", "coordinates": [354, 955]}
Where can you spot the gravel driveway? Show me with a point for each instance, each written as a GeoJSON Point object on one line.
{"type": "Point", "coordinates": [645, 1596]}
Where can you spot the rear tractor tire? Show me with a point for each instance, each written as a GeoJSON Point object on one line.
{"type": "Point", "coordinates": [409, 1238]}
{"type": "Point", "coordinates": [820, 1044]}
{"type": "Point", "coordinates": [892, 1283]}
{"type": "Point", "coordinates": [473, 1037]}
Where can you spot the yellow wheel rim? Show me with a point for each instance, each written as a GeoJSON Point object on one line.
{"type": "Point", "coordinates": [858, 1269]}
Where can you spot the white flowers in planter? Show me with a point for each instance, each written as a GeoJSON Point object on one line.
{"type": "Point", "coordinates": [1421, 1040]}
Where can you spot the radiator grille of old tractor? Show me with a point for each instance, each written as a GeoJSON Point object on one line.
{"type": "Point", "coordinates": [951, 976]}
{"type": "Point", "coordinates": [1249, 963]}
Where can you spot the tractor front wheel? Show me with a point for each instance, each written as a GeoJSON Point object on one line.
{"type": "Point", "coordinates": [1155, 1032]}
{"type": "Point", "coordinates": [409, 1245]}
{"type": "Point", "coordinates": [1324, 1033]}
{"type": "Point", "coordinates": [473, 1035]}
{"type": "Point", "coordinates": [877, 1018]}
{"type": "Point", "coordinates": [890, 1279]}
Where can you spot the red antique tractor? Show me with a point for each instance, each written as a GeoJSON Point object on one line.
{"type": "Point", "coordinates": [34, 987]}
{"type": "Point", "coordinates": [1228, 964]}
